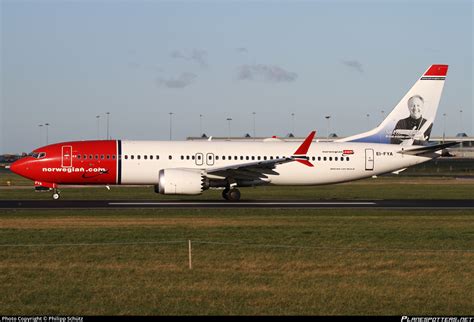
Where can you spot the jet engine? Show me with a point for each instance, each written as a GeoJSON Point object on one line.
{"type": "Point", "coordinates": [181, 182]}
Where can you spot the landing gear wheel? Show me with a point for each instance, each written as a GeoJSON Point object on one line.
{"type": "Point", "coordinates": [233, 195]}
{"type": "Point", "coordinates": [225, 193]}
{"type": "Point", "coordinates": [56, 195]}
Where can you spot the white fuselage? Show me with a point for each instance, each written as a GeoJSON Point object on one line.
{"type": "Point", "coordinates": [333, 162]}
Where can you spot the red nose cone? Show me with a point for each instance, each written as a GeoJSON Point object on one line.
{"type": "Point", "coordinates": [18, 167]}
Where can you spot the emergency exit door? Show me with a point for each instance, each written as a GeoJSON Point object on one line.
{"type": "Point", "coordinates": [66, 156]}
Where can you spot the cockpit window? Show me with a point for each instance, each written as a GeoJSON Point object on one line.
{"type": "Point", "coordinates": [37, 155]}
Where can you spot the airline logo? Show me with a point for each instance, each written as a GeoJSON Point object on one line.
{"type": "Point", "coordinates": [347, 152]}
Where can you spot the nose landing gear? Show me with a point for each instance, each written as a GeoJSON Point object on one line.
{"type": "Point", "coordinates": [56, 194]}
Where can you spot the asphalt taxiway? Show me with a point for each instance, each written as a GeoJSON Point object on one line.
{"type": "Point", "coordinates": [313, 204]}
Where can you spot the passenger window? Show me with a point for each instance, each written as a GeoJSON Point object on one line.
{"type": "Point", "coordinates": [241, 157]}
{"type": "Point", "coordinates": [192, 157]}
{"type": "Point", "coordinates": [313, 158]}
{"type": "Point", "coordinates": [170, 157]}
{"type": "Point", "coordinates": [324, 159]}
{"type": "Point", "coordinates": [126, 157]}
{"type": "Point", "coordinates": [138, 157]}
{"type": "Point", "coordinates": [335, 159]}
{"type": "Point", "coordinates": [132, 157]}
{"type": "Point", "coordinates": [91, 156]}
{"type": "Point", "coordinates": [265, 157]}
{"type": "Point", "coordinates": [271, 157]}
{"type": "Point", "coordinates": [102, 157]}
{"type": "Point", "coordinates": [258, 158]}
{"type": "Point", "coordinates": [223, 157]}
{"type": "Point", "coordinates": [330, 158]}
{"type": "Point", "coordinates": [347, 158]}
{"type": "Point", "coordinates": [199, 157]}
{"type": "Point", "coordinates": [217, 157]}
{"type": "Point", "coordinates": [157, 157]}
{"type": "Point", "coordinates": [253, 158]}
{"type": "Point", "coordinates": [113, 156]}
{"type": "Point", "coordinates": [151, 157]}
{"type": "Point", "coordinates": [78, 156]}
{"type": "Point", "coordinates": [145, 157]}
{"type": "Point", "coordinates": [108, 156]}
{"type": "Point", "coordinates": [187, 157]}
{"type": "Point", "coordinates": [182, 157]}
{"type": "Point", "coordinates": [319, 158]}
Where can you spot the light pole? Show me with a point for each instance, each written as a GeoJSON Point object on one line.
{"type": "Point", "coordinates": [444, 126]}
{"type": "Point", "coordinates": [228, 120]}
{"type": "Point", "coordinates": [460, 121]}
{"type": "Point", "coordinates": [383, 115]}
{"type": "Point", "coordinates": [293, 123]}
{"type": "Point", "coordinates": [47, 138]}
{"type": "Point", "coordinates": [41, 133]}
{"type": "Point", "coordinates": [253, 113]}
{"type": "Point", "coordinates": [328, 117]}
{"type": "Point", "coordinates": [171, 124]}
{"type": "Point", "coordinates": [368, 121]}
{"type": "Point", "coordinates": [108, 113]}
{"type": "Point", "coordinates": [200, 124]}
{"type": "Point", "coordinates": [98, 126]}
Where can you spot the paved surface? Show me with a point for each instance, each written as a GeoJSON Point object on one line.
{"type": "Point", "coordinates": [409, 204]}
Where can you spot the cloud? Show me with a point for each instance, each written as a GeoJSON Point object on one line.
{"type": "Point", "coordinates": [197, 55]}
{"type": "Point", "coordinates": [267, 73]}
{"type": "Point", "coordinates": [185, 79]}
{"type": "Point", "coordinates": [354, 64]}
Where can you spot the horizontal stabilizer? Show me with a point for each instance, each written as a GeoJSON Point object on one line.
{"type": "Point", "coordinates": [428, 149]}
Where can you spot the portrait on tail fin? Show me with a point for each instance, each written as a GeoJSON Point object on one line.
{"type": "Point", "coordinates": [409, 128]}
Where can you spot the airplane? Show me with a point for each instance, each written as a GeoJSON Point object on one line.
{"type": "Point", "coordinates": [191, 167]}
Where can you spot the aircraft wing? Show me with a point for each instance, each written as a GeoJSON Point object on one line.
{"type": "Point", "coordinates": [260, 169]}
{"type": "Point", "coordinates": [251, 170]}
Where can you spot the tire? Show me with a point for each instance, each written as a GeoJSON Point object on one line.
{"type": "Point", "coordinates": [56, 196]}
{"type": "Point", "coordinates": [225, 194]}
{"type": "Point", "coordinates": [234, 195]}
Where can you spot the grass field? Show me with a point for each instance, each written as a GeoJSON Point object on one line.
{"type": "Point", "coordinates": [245, 261]}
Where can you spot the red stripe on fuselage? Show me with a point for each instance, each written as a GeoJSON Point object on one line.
{"type": "Point", "coordinates": [91, 162]}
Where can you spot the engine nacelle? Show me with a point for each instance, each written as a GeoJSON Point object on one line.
{"type": "Point", "coordinates": [181, 182]}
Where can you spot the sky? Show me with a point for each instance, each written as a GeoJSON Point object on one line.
{"type": "Point", "coordinates": [66, 62]}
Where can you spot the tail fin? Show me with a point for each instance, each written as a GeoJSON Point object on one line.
{"type": "Point", "coordinates": [410, 122]}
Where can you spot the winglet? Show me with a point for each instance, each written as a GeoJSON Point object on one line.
{"type": "Point", "coordinates": [300, 153]}
{"type": "Point", "coordinates": [303, 149]}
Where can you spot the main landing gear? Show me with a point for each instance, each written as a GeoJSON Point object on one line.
{"type": "Point", "coordinates": [231, 194]}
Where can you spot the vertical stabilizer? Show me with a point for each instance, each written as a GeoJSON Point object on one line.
{"type": "Point", "coordinates": [411, 121]}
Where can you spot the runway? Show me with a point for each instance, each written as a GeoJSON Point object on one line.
{"type": "Point", "coordinates": [292, 204]}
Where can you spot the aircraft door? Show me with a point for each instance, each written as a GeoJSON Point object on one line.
{"type": "Point", "coordinates": [210, 159]}
{"type": "Point", "coordinates": [66, 156]}
{"type": "Point", "coordinates": [199, 159]}
{"type": "Point", "coordinates": [369, 159]}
